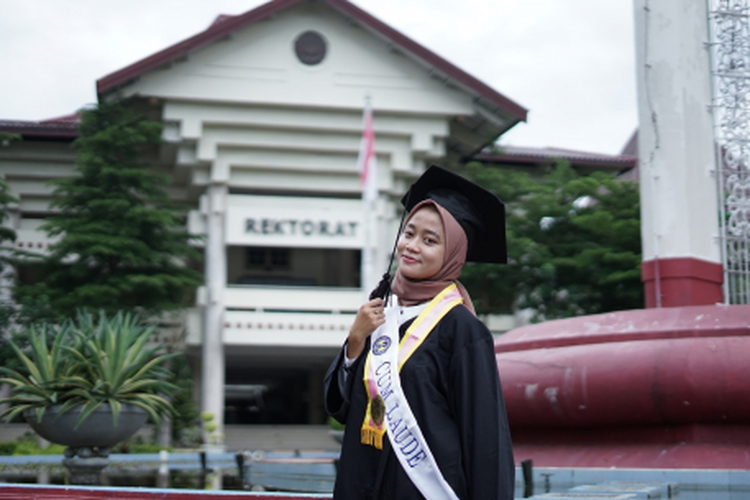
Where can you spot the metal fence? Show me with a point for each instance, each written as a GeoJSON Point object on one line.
{"type": "Point", "coordinates": [729, 24]}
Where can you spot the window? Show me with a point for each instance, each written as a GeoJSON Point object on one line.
{"type": "Point", "coordinates": [267, 258]}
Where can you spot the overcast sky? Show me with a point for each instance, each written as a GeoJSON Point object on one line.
{"type": "Point", "coordinates": [570, 62]}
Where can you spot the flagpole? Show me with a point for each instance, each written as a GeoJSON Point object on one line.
{"type": "Point", "coordinates": [368, 181]}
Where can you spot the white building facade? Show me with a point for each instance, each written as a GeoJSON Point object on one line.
{"type": "Point", "coordinates": [263, 123]}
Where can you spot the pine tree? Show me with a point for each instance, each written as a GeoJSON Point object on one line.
{"type": "Point", "coordinates": [123, 245]}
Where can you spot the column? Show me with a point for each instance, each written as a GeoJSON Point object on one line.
{"type": "Point", "coordinates": [679, 207]}
{"type": "Point", "coordinates": [212, 359]}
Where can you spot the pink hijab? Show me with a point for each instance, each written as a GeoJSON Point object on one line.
{"type": "Point", "coordinates": [411, 292]}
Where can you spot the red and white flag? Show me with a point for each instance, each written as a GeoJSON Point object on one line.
{"type": "Point", "coordinates": [366, 160]}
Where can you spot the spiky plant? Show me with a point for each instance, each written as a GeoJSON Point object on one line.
{"type": "Point", "coordinates": [92, 362]}
{"type": "Point", "coordinates": [46, 374]}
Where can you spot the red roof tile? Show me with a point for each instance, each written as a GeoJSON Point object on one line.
{"type": "Point", "coordinates": [56, 128]}
{"type": "Point", "coordinates": [221, 18]}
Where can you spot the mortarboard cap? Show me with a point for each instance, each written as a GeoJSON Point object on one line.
{"type": "Point", "coordinates": [480, 213]}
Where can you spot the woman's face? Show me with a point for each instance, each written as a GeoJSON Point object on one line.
{"type": "Point", "coordinates": [421, 246]}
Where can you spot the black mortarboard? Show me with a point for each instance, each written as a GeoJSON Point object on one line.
{"type": "Point", "coordinates": [480, 213]}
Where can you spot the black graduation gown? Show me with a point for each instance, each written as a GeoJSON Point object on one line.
{"type": "Point", "coordinates": [453, 388]}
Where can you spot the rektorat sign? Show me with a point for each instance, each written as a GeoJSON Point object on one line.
{"type": "Point", "coordinates": [294, 222]}
{"type": "Point", "coordinates": [303, 227]}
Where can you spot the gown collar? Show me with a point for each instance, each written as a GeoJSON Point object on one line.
{"type": "Point", "coordinates": [405, 313]}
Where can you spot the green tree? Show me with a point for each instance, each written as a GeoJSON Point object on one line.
{"type": "Point", "coordinates": [186, 409]}
{"type": "Point", "coordinates": [7, 234]}
{"type": "Point", "coordinates": [7, 238]}
{"type": "Point", "coordinates": [6, 138]}
{"type": "Point", "coordinates": [123, 244]}
{"type": "Point", "coordinates": [573, 244]}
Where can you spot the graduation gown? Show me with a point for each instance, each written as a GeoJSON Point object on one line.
{"type": "Point", "coordinates": [452, 385]}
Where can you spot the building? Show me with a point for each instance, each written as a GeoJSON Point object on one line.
{"type": "Point", "coordinates": [263, 122]}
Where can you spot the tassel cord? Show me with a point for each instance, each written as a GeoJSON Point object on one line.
{"type": "Point", "coordinates": [383, 290]}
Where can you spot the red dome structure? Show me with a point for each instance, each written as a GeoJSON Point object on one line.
{"type": "Point", "coordinates": [666, 388]}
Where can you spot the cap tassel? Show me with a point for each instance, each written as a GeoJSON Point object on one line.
{"type": "Point", "coordinates": [383, 290]}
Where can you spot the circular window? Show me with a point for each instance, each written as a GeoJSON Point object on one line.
{"type": "Point", "coordinates": [310, 47]}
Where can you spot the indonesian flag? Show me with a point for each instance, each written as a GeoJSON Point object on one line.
{"type": "Point", "coordinates": [366, 160]}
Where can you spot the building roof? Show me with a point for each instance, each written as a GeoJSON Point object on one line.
{"type": "Point", "coordinates": [519, 155]}
{"type": "Point", "coordinates": [60, 128]}
{"type": "Point", "coordinates": [225, 25]}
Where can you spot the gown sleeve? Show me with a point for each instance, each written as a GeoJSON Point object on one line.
{"type": "Point", "coordinates": [477, 401]}
{"type": "Point", "coordinates": [338, 383]}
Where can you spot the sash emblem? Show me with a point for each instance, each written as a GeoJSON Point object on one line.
{"type": "Point", "coordinates": [381, 345]}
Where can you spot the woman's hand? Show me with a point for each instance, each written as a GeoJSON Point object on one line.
{"type": "Point", "coordinates": [369, 317]}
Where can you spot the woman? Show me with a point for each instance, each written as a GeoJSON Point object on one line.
{"type": "Point", "coordinates": [429, 421]}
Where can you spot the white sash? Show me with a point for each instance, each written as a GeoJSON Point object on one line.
{"type": "Point", "coordinates": [404, 433]}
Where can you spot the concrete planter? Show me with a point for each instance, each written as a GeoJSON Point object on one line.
{"type": "Point", "coordinates": [97, 431]}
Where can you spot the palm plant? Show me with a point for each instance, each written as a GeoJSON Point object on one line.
{"type": "Point", "coordinates": [91, 362]}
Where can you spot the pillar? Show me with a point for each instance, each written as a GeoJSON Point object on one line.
{"type": "Point", "coordinates": [677, 160]}
{"type": "Point", "coordinates": [212, 359]}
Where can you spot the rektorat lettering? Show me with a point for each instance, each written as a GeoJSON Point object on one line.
{"type": "Point", "coordinates": [306, 227]}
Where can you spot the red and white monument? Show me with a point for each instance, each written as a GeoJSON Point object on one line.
{"type": "Point", "coordinates": [667, 386]}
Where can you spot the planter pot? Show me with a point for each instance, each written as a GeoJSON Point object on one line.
{"type": "Point", "coordinates": [98, 430]}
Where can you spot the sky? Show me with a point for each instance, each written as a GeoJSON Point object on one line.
{"type": "Point", "coordinates": [569, 62]}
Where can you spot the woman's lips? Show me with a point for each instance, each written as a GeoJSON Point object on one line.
{"type": "Point", "coordinates": [408, 260]}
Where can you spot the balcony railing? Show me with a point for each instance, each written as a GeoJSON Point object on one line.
{"type": "Point", "coordinates": [292, 299]}
{"type": "Point", "coordinates": [284, 316]}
